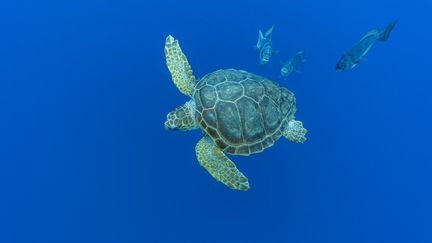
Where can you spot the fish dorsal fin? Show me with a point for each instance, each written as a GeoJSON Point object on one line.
{"type": "Point", "coordinates": [371, 33]}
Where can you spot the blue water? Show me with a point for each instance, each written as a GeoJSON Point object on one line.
{"type": "Point", "coordinates": [84, 92]}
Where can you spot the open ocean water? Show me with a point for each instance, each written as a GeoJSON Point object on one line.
{"type": "Point", "coordinates": [84, 93]}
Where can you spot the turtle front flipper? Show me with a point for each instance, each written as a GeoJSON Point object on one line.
{"type": "Point", "coordinates": [178, 66]}
{"type": "Point", "coordinates": [295, 132]}
{"type": "Point", "coordinates": [219, 165]}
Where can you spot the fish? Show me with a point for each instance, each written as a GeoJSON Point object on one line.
{"type": "Point", "coordinates": [354, 56]}
{"type": "Point", "coordinates": [264, 46]}
{"type": "Point", "coordinates": [292, 64]}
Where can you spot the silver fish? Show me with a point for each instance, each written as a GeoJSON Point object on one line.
{"type": "Point", "coordinates": [292, 64]}
{"type": "Point", "coordinates": [354, 56]}
{"type": "Point", "coordinates": [264, 46]}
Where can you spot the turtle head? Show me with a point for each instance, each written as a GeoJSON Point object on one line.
{"type": "Point", "coordinates": [182, 118]}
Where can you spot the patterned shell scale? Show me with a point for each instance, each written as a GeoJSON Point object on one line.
{"type": "Point", "coordinates": [242, 112]}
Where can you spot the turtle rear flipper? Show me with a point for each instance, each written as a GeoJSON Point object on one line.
{"type": "Point", "coordinates": [178, 66]}
{"type": "Point", "coordinates": [219, 165]}
{"type": "Point", "coordinates": [295, 132]}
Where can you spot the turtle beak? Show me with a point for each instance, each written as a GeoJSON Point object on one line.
{"type": "Point", "coordinates": [170, 126]}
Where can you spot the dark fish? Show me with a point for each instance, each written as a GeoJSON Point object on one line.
{"type": "Point", "coordinates": [292, 64]}
{"type": "Point", "coordinates": [264, 46]}
{"type": "Point", "coordinates": [354, 56]}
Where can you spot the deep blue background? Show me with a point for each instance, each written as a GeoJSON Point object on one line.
{"type": "Point", "coordinates": [84, 92]}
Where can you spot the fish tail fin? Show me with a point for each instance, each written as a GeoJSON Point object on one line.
{"type": "Point", "coordinates": [269, 32]}
{"type": "Point", "coordinates": [386, 32]}
{"type": "Point", "coordinates": [261, 40]}
{"type": "Point", "coordinates": [300, 56]}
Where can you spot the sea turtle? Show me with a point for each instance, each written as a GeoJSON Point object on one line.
{"type": "Point", "coordinates": [240, 113]}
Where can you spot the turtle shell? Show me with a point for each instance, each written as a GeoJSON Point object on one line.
{"type": "Point", "coordinates": [242, 112]}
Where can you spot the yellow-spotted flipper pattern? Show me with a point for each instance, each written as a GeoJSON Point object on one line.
{"type": "Point", "coordinates": [219, 166]}
{"type": "Point", "coordinates": [178, 66]}
{"type": "Point", "coordinates": [295, 131]}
